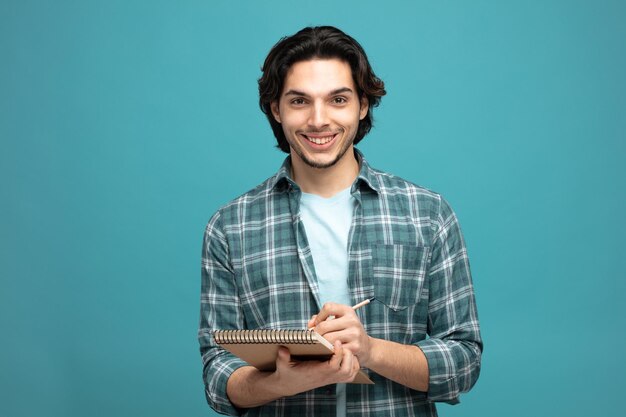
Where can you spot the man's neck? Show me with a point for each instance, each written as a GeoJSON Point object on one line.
{"type": "Point", "coordinates": [325, 182]}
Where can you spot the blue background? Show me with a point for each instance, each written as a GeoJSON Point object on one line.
{"type": "Point", "coordinates": [124, 125]}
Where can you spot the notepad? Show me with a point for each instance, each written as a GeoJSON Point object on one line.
{"type": "Point", "coordinates": [259, 348]}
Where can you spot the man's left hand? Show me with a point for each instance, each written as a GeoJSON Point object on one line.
{"type": "Point", "coordinates": [345, 327]}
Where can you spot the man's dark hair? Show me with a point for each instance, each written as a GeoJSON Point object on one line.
{"type": "Point", "coordinates": [324, 42]}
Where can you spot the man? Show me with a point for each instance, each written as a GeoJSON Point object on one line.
{"type": "Point", "coordinates": [325, 232]}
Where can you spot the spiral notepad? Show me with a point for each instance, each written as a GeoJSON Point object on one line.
{"type": "Point", "coordinates": [271, 336]}
{"type": "Point", "coordinates": [259, 347]}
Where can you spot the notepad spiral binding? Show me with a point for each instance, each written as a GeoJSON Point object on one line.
{"type": "Point", "coordinates": [271, 336]}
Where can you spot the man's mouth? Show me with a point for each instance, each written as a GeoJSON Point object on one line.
{"type": "Point", "coordinates": [320, 138]}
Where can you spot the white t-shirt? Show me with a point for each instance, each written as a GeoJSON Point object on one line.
{"type": "Point", "coordinates": [327, 223]}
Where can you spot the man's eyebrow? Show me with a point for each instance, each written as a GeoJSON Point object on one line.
{"type": "Point", "coordinates": [332, 93]}
{"type": "Point", "coordinates": [341, 90]}
{"type": "Point", "coordinates": [295, 93]}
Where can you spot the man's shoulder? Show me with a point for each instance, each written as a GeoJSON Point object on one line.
{"type": "Point", "coordinates": [403, 198]}
{"type": "Point", "coordinates": [254, 200]}
{"type": "Point", "coordinates": [390, 185]}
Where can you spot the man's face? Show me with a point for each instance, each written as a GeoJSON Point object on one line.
{"type": "Point", "coordinates": [319, 111]}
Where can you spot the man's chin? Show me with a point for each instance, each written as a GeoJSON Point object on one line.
{"type": "Point", "coordinates": [320, 164]}
{"type": "Point", "coordinates": [320, 161]}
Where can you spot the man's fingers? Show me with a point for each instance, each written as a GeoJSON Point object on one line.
{"type": "Point", "coordinates": [331, 309]}
{"type": "Point", "coordinates": [349, 366]}
{"type": "Point", "coordinates": [355, 368]}
{"type": "Point", "coordinates": [284, 355]}
{"type": "Point", "coordinates": [346, 363]}
{"type": "Point", "coordinates": [324, 313]}
{"type": "Point", "coordinates": [338, 324]}
{"type": "Point", "coordinates": [336, 359]}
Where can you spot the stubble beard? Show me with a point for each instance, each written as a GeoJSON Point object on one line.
{"type": "Point", "coordinates": [322, 165]}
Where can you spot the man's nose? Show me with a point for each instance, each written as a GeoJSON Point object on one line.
{"type": "Point", "coordinates": [318, 117]}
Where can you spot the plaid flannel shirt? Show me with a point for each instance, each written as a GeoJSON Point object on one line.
{"type": "Point", "coordinates": [405, 248]}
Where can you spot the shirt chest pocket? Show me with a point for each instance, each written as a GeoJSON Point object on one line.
{"type": "Point", "coordinates": [398, 273]}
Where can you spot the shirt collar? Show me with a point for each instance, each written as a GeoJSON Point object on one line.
{"type": "Point", "coordinates": [282, 180]}
{"type": "Point", "coordinates": [367, 175]}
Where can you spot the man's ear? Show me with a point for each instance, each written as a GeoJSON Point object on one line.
{"type": "Point", "coordinates": [275, 112]}
{"type": "Point", "coordinates": [365, 106]}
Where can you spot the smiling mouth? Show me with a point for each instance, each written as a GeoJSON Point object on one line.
{"type": "Point", "coordinates": [320, 139]}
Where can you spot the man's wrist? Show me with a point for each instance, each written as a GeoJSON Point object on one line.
{"type": "Point", "coordinates": [277, 386]}
{"type": "Point", "coordinates": [372, 353]}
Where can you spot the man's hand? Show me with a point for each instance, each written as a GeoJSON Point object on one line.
{"type": "Point", "coordinates": [248, 387]}
{"type": "Point", "coordinates": [345, 327]}
{"type": "Point", "coordinates": [296, 377]}
{"type": "Point", "coordinates": [404, 364]}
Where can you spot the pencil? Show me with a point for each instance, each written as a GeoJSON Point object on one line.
{"type": "Point", "coordinates": [363, 303]}
{"type": "Point", "coordinates": [354, 307]}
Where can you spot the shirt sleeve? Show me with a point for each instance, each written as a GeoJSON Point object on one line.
{"type": "Point", "coordinates": [219, 309]}
{"type": "Point", "coordinates": [454, 347]}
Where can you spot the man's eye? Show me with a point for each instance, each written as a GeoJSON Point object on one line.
{"type": "Point", "coordinates": [339, 100]}
{"type": "Point", "coordinates": [298, 101]}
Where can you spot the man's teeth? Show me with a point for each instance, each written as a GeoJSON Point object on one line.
{"type": "Point", "coordinates": [321, 141]}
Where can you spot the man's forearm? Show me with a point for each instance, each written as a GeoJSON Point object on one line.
{"type": "Point", "coordinates": [404, 364]}
{"type": "Point", "coordinates": [248, 387]}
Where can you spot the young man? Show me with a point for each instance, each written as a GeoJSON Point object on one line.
{"type": "Point", "coordinates": [325, 232]}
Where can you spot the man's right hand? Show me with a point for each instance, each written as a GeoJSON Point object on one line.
{"type": "Point", "coordinates": [297, 377]}
{"type": "Point", "coordinates": [248, 387]}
